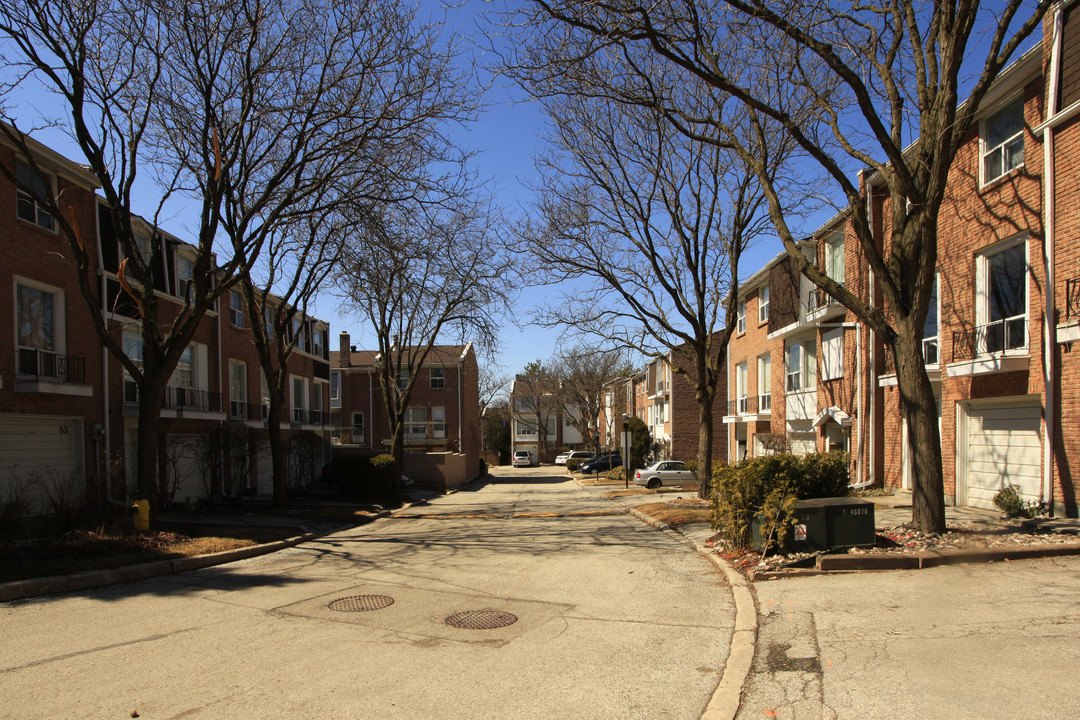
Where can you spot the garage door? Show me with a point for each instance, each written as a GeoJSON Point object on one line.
{"type": "Point", "coordinates": [37, 454]}
{"type": "Point", "coordinates": [264, 465]}
{"type": "Point", "coordinates": [188, 462]}
{"type": "Point", "coordinates": [1004, 446]}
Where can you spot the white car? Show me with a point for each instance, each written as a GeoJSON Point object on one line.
{"type": "Point", "coordinates": [665, 472]}
{"type": "Point", "coordinates": [574, 455]}
{"type": "Point", "coordinates": [522, 458]}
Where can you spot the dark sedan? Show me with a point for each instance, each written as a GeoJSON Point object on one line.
{"type": "Point", "coordinates": [601, 463]}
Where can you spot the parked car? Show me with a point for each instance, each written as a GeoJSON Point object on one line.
{"type": "Point", "coordinates": [574, 455]}
{"type": "Point", "coordinates": [601, 463]}
{"type": "Point", "coordinates": [522, 458]}
{"type": "Point", "coordinates": [665, 472]}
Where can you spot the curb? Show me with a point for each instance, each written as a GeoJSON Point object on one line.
{"type": "Point", "coordinates": [727, 697]}
{"type": "Point", "coordinates": [34, 587]}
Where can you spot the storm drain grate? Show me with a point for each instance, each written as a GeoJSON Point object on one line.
{"type": "Point", "coordinates": [361, 603]}
{"type": "Point", "coordinates": [480, 619]}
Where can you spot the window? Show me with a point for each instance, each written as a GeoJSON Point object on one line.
{"type": "Point", "coordinates": [299, 400]}
{"type": "Point", "coordinates": [1001, 289]}
{"type": "Point", "coordinates": [36, 314]}
{"type": "Point", "coordinates": [264, 395]}
{"type": "Point", "coordinates": [335, 388]}
{"type": "Point", "coordinates": [184, 268]}
{"type": "Point", "coordinates": [525, 428]}
{"type": "Point", "coordinates": [930, 328]}
{"type": "Point", "coordinates": [832, 354]}
{"type": "Point", "coordinates": [317, 343]}
{"type": "Point", "coordinates": [184, 374]}
{"type": "Point", "coordinates": [31, 204]}
{"type": "Point", "coordinates": [1003, 141]}
{"type": "Point", "coordinates": [403, 378]}
{"type": "Point", "coordinates": [438, 423]}
{"type": "Point", "coordinates": [236, 309]}
{"type": "Point", "coordinates": [741, 317]}
{"type": "Point", "coordinates": [237, 389]}
{"type": "Point", "coordinates": [801, 366]}
{"type": "Point", "coordinates": [358, 421]}
{"type": "Point", "coordinates": [317, 404]}
{"type": "Point", "coordinates": [834, 257]}
{"type": "Point", "coordinates": [763, 305]}
{"type": "Point", "coordinates": [416, 423]}
{"type": "Point", "coordinates": [268, 321]}
{"type": "Point", "coordinates": [133, 348]}
{"type": "Point", "coordinates": [740, 388]}
{"type": "Point", "coordinates": [764, 380]}
{"type": "Point", "coordinates": [438, 378]}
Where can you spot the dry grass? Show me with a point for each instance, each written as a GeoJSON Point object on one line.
{"type": "Point", "coordinates": [106, 548]}
{"type": "Point", "coordinates": [673, 515]}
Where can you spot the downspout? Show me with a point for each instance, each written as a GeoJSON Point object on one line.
{"type": "Point", "coordinates": [460, 440]}
{"type": "Point", "coordinates": [125, 503]}
{"type": "Point", "coordinates": [1049, 212]}
{"type": "Point", "coordinates": [371, 408]}
{"type": "Point", "coordinates": [872, 341]}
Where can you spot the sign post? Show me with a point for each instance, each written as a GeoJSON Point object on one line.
{"type": "Point", "coordinates": [626, 449]}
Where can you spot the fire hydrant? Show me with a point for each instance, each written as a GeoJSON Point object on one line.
{"type": "Point", "coordinates": [140, 510]}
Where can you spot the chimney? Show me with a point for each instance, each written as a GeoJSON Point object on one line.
{"type": "Point", "coordinates": [345, 359]}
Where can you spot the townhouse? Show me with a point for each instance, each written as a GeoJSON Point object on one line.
{"type": "Point", "coordinates": [539, 424]}
{"type": "Point", "coordinates": [442, 420]}
{"type": "Point", "coordinates": [68, 409]}
{"type": "Point", "coordinates": [998, 337]}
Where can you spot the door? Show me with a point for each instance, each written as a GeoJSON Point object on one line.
{"type": "Point", "coordinates": [1003, 447]}
{"type": "Point", "coordinates": [39, 454]}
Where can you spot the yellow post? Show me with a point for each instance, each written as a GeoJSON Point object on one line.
{"type": "Point", "coordinates": [141, 509]}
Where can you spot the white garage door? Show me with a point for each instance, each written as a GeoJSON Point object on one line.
{"type": "Point", "coordinates": [39, 455]}
{"type": "Point", "coordinates": [1004, 446]}
{"type": "Point", "coordinates": [187, 463]}
{"type": "Point", "coordinates": [264, 466]}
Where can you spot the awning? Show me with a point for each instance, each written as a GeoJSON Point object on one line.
{"type": "Point", "coordinates": [832, 413]}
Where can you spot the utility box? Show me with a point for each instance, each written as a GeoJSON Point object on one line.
{"type": "Point", "coordinates": [826, 524]}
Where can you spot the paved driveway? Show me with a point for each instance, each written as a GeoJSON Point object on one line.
{"type": "Point", "coordinates": [608, 618]}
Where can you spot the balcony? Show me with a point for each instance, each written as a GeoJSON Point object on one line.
{"type": "Point", "coordinates": [48, 372]}
{"type": "Point", "coordinates": [661, 389]}
{"type": "Point", "coordinates": [931, 351]}
{"type": "Point", "coordinates": [999, 346]}
{"type": "Point", "coordinates": [820, 305]}
{"type": "Point", "coordinates": [348, 436]}
{"type": "Point", "coordinates": [238, 410]}
{"type": "Point", "coordinates": [187, 399]}
{"type": "Point", "coordinates": [749, 407]}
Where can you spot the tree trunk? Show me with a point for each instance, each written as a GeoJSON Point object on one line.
{"type": "Point", "coordinates": [397, 449]}
{"type": "Point", "coordinates": [146, 452]}
{"type": "Point", "coordinates": [278, 461]}
{"type": "Point", "coordinates": [705, 442]}
{"type": "Point", "coordinates": [924, 438]}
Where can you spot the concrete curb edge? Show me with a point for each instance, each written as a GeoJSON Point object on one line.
{"type": "Point", "coordinates": [727, 697]}
{"type": "Point", "coordinates": [34, 587]}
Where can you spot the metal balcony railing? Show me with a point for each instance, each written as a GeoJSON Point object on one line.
{"type": "Point", "coordinates": [300, 415]}
{"type": "Point", "coordinates": [179, 398]}
{"type": "Point", "coordinates": [238, 410]}
{"type": "Point", "coordinates": [1072, 299]}
{"type": "Point", "coordinates": [348, 436]}
{"type": "Point", "coordinates": [43, 365]}
{"type": "Point", "coordinates": [818, 298]}
{"type": "Point", "coordinates": [747, 405]}
{"type": "Point", "coordinates": [930, 351]}
{"type": "Point", "coordinates": [999, 336]}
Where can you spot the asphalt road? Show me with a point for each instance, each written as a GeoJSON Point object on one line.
{"type": "Point", "coordinates": [608, 618]}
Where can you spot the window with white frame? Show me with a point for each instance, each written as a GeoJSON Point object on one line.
{"type": "Point", "coordinates": [184, 269]}
{"type": "Point", "coordinates": [1001, 294]}
{"type": "Point", "coordinates": [299, 400]}
{"type": "Point", "coordinates": [133, 348]}
{"type": "Point", "coordinates": [832, 354]}
{"type": "Point", "coordinates": [31, 205]}
{"type": "Point", "coordinates": [764, 379]}
{"type": "Point", "coordinates": [1003, 141]}
{"type": "Point", "coordinates": [236, 309]}
{"type": "Point", "coordinates": [403, 378]}
{"type": "Point", "coordinates": [930, 343]}
{"type": "Point", "coordinates": [39, 335]}
{"type": "Point", "coordinates": [763, 305]}
{"type": "Point", "coordinates": [416, 423]}
{"type": "Point", "coordinates": [740, 317]}
{"type": "Point", "coordinates": [317, 341]}
{"type": "Point", "coordinates": [317, 403]}
{"type": "Point", "coordinates": [438, 423]}
{"type": "Point", "coordinates": [358, 421]}
{"type": "Point", "coordinates": [525, 428]}
{"type": "Point", "coordinates": [335, 389]}
{"type": "Point", "coordinates": [264, 395]}
{"type": "Point", "coordinates": [237, 389]}
{"type": "Point", "coordinates": [834, 257]}
{"type": "Point", "coordinates": [801, 366]}
{"type": "Point", "coordinates": [268, 321]}
{"type": "Point", "coordinates": [438, 378]}
{"type": "Point", "coordinates": [741, 388]}
{"type": "Point", "coordinates": [182, 381]}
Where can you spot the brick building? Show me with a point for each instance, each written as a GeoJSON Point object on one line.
{"type": "Point", "coordinates": [442, 420]}
{"type": "Point", "coordinates": [68, 412]}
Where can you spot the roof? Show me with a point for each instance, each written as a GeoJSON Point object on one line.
{"type": "Point", "coordinates": [438, 355]}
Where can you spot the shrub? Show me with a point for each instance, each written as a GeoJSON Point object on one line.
{"type": "Point", "coordinates": [573, 464]}
{"type": "Point", "coordinates": [768, 487]}
{"type": "Point", "coordinates": [616, 474]}
{"type": "Point", "coordinates": [364, 477]}
{"type": "Point", "coordinates": [1010, 502]}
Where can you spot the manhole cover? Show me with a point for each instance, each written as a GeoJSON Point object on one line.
{"type": "Point", "coordinates": [480, 619]}
{"type": "Point", "coordinates": [361, 603]}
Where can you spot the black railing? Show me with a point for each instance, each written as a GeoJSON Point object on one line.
{"type": "Point", "coordinates": [300, 416]}
{"type": "Point", "coordinates": [180, 398]}
{"type": "Point", "coordinates": [998, 336]}
{"type": "Point", "coordinates": [238, 410]}
{"type": "Point", "coordinates": [745, 405]}
{"type": "Point", "coordinates": [51, 367]}
{"type": "Point", "coordinates": [318, 417]}
{"type": "Point", "coordinates": [1072, 298]}
{"type": "Point", "coordinates": [348, 436]}
{"type": "Point", "coordinates": [819, 298]}
{"type": "Point", "coordinates": [930, 351]}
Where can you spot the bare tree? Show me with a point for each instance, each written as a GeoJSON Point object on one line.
{"type": "Point", "coordinates": [582, 372]}
{"type": "Point", "coordinates": [248, 110]}
{"type": "Point", "coordinates": [418, 272]}
{"type": "Point", "coordinates": [647, 224]}
{"type": "Point", "coordinates": [536, 403]}
{"type": "Point", "coordinates": [894, 89]}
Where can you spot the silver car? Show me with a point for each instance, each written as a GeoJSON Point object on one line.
{"type": "Point", "coordinates": [665, 472]}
